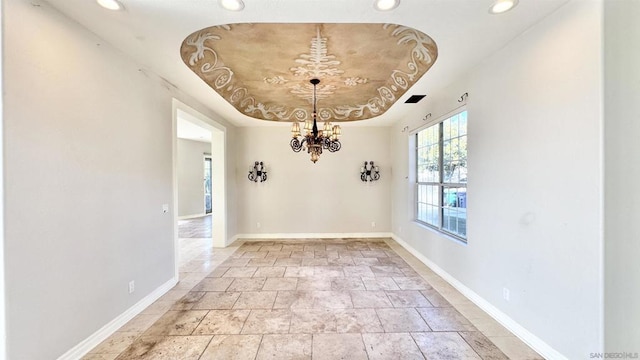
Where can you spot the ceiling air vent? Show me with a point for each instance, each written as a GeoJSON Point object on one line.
{"type": "Point", "coordinates": [414, 99]}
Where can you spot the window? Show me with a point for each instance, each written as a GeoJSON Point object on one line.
{"type": "Point", "coordinates": [441, 176]}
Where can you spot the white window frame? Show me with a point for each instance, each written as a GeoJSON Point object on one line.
{"type": "Point", "coordinates": [440, 184]}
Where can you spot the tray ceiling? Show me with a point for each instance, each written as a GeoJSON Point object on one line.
{"type": "Point", "coordinates": [263, 70]}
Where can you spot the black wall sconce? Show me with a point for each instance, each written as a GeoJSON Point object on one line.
{"type": "Point", "coordinates": [258, 172]}
{"type": "Point", "coordinates": [369, 172]}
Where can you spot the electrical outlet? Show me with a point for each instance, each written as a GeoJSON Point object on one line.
{"type": "Point", "coordinates": [258, 225]}
{"type": "Point", "coordinates": [373, 224]}
{"type": "Point", "coordinates": [132, 286]}
{"type": "Point", "coordinates": [506, 294]}
{"type": "Point", "coordinates": [165, 208]}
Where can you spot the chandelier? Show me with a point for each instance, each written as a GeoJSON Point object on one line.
{"type": "Point", "coordinates": [315, 140]}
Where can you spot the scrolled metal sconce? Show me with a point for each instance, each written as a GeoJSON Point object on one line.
{"type": "Point", "coordinates": [258, 172]}
{"type": "Point", "coordinates": [369, 172]}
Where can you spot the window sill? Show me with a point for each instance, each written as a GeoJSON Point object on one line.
{"type": "Point", "coordinates": [443, 234]}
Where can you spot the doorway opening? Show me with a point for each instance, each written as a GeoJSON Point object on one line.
{"type": "Point", "coordinates": [199, 164]}
{"type": "Point", "coordinates": [207, 184]}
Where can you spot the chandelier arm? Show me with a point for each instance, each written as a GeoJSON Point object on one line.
{"type": "Point", "coordinates": [296, 144]}
{"type": "Point", "coordinates": [334, 146]}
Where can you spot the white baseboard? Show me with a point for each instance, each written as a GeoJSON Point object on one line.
{"type": "Point", "coordinates": [103, 333]}
{"type": "Point", "coordinates": [518, 330]}
{"type": "Point", "coordinates": [314, 235]}
{"type": "Point", "coordinates": [194, 216]}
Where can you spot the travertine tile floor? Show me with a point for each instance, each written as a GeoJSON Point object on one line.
{"type": "Point", "coordinates": [195, 228]}
{"type": "Point", "coordinates": [312, 299]}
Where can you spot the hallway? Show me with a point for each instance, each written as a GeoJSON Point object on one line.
{"type": "Point", "coordinates": [312, 299]}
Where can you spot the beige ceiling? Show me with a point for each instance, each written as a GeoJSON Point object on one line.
{"type": "Point", "coordinates": [263, 70]}
{"type": "Point", "coordinates": [151, 31]}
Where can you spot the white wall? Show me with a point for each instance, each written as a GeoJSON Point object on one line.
{"type": "Point", "coordinates": [88, 165]}
{"type": "Point", "coordinates": [302, 197]}
{"type": "Point", "coordinates": [534, 191]}
{"type": "Point", "coordinates": [191, 176]}
{"type": "Point", "coordinates": [622, 171]}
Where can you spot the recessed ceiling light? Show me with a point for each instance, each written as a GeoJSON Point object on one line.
{"type": "Point", "coordinates": [386, 5]}
{"type": "Point", "coordinates": [233, 5]}
{"type": "Point", "coordinates": [110, 4]}
{"type": "Point", "coordinates": [500, 6]}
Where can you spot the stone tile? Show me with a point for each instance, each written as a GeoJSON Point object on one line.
{"type": "Point", "coordinates": [286, 346]}
{"type": "Point", "coordinates": [275, 247]}
{"type": "Point", "coordinates": [483, 346]}
{"type": "Point", "coordinates": [294, 300]}
{"type": "Point", "coordinates": [490, 327]}
{"type": "Point", "coordinates": [435, 298]}
{"type": "Point", "coordinates": [213, 284]}
{"type": "Point", "coordinates": [370, 299]}
{"type": "Point", "coordinates": [332, 299]}
{"type": "Point", "coordinates": [159, 307]}
{"type": "Point", "coordinates": [116, 343]}
{"type": "Point", "coordinates": [349, 254]}
{"type": "Point", "coordinates": [341, 261]}
{"type": "Point", "coordinates": [278, 254]}
{"type": "Point", "coordinates": [293, 247]}
{"type": "Point", "coordinates": [302, 254]}
{"type": "Point", "coordinates": [261, 262]}
{"type": "Point", "coordinates": [357, 321]}
{"type": "Point", "coordinates": [401, 320]}
{"type": "Point", "coordinates": [232, 347]}
{"type": "Point", "coordinates": [235, 262]}
{"type": "Point", "coordinates": [247, 284]}
{"type": "Point", "coordinates": [256, 300]}
{"type": "Point", "coordinates": [407, 298]}
{"type": "Point", "coordinates": [315, 247]}
{"type": "Point", "coordinates": [270, 272]}
{"type": "Point", "coordinates": [408, 272]}
{"type": "Point", "coordinates": [253, 255]}
{"type": "Point", "coordinates": [288, 262]}
{"type": "Point", "coordinates": [325, 254]}
{"type": "Point", "coordinates": [514, 348]}
{"type": "Point", "coordinates": [310, 321]}
{"type": "Point", "coordinates": [249, 247]}
{"type": "Point", "coordinates": [176, 323]}
{"type": "Point", "coordinates": [267, 322]}
{"type": "Point", "coordinates": [272, 284]}
{"type": "Point", "coordinates": [380, 283]}
{"type": "Point", "coordinates": [218, 272]}
{"type": "Point", "coordinates": [140, 323]}
{"type": "Point", "coordinates": [315, 262]}
{"type": "Point", "coordinates": [338, 346]}
{"type": "Point", "coordinates": [247, 271]}
{"type": "Point", "coordinates": [91, 356]}
{"type": "Point", "coordinates": [391, 346]}
{"type": "Point", "coordinates": [299, 271]}
{"type": "Point", "coordinates": [444, 346]}
{"type": "Point", "coordinates": [217, 300]}
{"type": "Point", "coordinates": [347, 283]}
{"type": "Point", "coordinates": [373, 253]}
{"type": "Point", "coordinates": [445, 319]}
{"type": "Point", "coordinates": [366, 261]}
{"type": "Point", "coordinates": [328, 271]}
{"type": "Point", "coordinates": [392, 261]}
{"type": "Point", "coordinates": [411, 283]}
{"type": "Point", "coordinates": [313, 283]}
{"type": "Point", "coordinates": [386, 271]}
{"type": "Point", "coordinates": [364, 271]}
{"type": "Point", "coordinates": [222, 322]}
{"type": "Point", "coordinates": [166, 348]}
{"type": "Point", "coordinates": [187, 302]}
{"type": "Point", "coordinates": [471, 311]}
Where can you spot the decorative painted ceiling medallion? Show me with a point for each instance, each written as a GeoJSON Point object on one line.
{"type": "Point", "coordinates": [263, 70]}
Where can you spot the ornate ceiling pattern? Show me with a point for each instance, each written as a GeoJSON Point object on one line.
{"type": "Point", "coordinates": [263, 70]}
